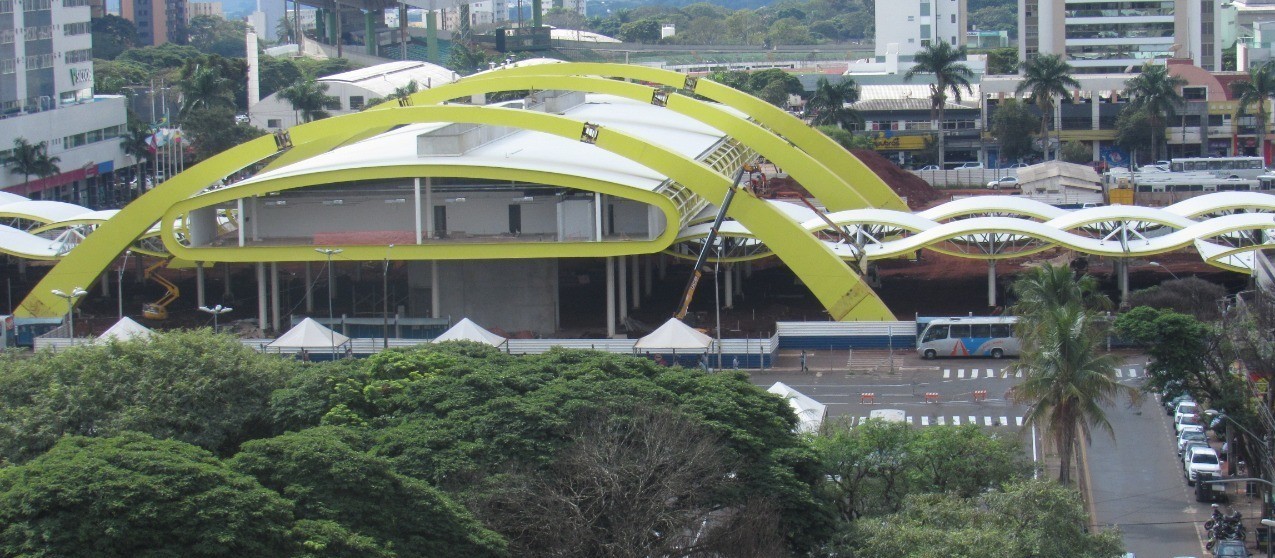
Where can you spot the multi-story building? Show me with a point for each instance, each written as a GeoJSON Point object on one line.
{"type": "Point", "coordinates": [913, 24]}
{"type": "Point", "coordinates": [157, 21]}
{"type": "Point", "coordinates": [1108, 36]}
{"type": "Point", "coordinates": [46, 95]}
{"type": "Point", "coordinates": [203, 8]}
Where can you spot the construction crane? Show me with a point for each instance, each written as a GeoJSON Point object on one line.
{"type": "Point", "coordinates": [698, 271]}
{"type": "Point", "coordinates": [158, 310]}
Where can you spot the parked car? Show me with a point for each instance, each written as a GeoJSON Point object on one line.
{"type": "Point", "coordinates": [1185, 421]}
{"type": "Point", "coordinates": [1230, 549]}
{"type": "Point", "coordinates": [1003, 182]}
{"type": "Point", "coordinates": [1200, 460]}
{"type": "Point", "coordinates": [930, 168]}
{"type": "Point", "coordinates": [1171, 404]}
{"type": "Point", "coordinates": [968, 165]}
{"type": "Point", "coordinates": [1185, 408]}
{"type": "Point", "coordinates": [1191, 435]}
{"type": "Point", "coordinates": [1016, 166]}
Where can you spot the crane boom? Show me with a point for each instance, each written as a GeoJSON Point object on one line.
{"type": "Point", "coordinates": [697, 272]}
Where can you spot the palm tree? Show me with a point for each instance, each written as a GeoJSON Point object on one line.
{"type": "Point", "coordinates": [136, 144]}
{"type": "Point", "coordinates": [940, 59]}
{"type": "Point", "coordinates": [31, 159]}
{"type": "Point", "coordinates": [1047, 76]}
{"type": "Point", "coordinates": [1067, 379]}
{"type": "Point", "coordinates": [308, 97]}
{"type": "Point", "coordinates": [1259, 88]}
{"type": "Point", "coordinates": [205, 88]}
{"type": "Point", "coordinates": [828, 104]}
{"type": "Point", "coordinates": [1156, 92]}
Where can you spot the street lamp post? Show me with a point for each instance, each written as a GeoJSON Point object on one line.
{"type": "Point", "coordinates": [332, 333]}
{"type": "Point", "coordinates": [119, 283]}
{"type": "Point", "coordinates": [385, 298]}
{"type": "Point", "coordinates": [70, 307]}
{"type": "Point", "coordinates": [1161, 266]}
{"type": "Point", "coordinates": [215, 311]}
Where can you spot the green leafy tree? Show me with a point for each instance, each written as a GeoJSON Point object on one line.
{"type": "Point", "coordinates": [211, 131]}
{"type": "Point", "coordinates": [1187, 356]}
{"type": "Point", "coordinates": [217, 35]}
{"type": "Point", "coordinates": [828, 103]}
{"type": "Point", "coordinates": [112, 77]}
{"type": "Point", "coordinates": [1256, 90]}
{"type": "Point", "coordinates": [1028, 518]}
{"type": "Point", "coordinates": [789, 31]}
{"type": "Point", "coordinates": [309, 98]}
{"type": "Point", "coordinates": [1067, 378]}
{"type": "Point", "coordinates": [1157, 93]}
{"type": "Point", "coordinates": [641, 31]}
{"type": "Point", "coordinates": [1135, 134]}
{"type": "Point", "coordinates": [1076, 152]}
{"type": "Point", "coordinates": [846, 138]}
{"type": "Point", "coordinates": [133, 495]}
{"type": "Point", "coordinates": [112, 35]}
{"type": "Point", "coordinates": [207, 390]}
{"type": "Point", "coordinates": [1189, 295]}
{"type": "Point", "coordinates": [1002, 61]}
{"type": "Point", "coordinates": [745, 27]}
{"type": "Point", "coordinates": [328, 476]}
{"type": "Point", "coordinates": [29, 159]}
{"type": "Point", "coordinates": [1013, 126]}
{"type": "Point", "coordinates": [168, 56]}
{"type": "Point", "coordinates": [1003, 17]}
{"type": "Point", "coordinates": [135, 143]}
{"type": "Point", "coordinates": [943, 62]}
{"type": "Point", "coordinates": [1046, 77]}
{"type": "Point", "coordinates": [206, 88]}
{"type": "Point", "coordinates": [277, 73]}
{"type": "Point", "coordinates": [466, 58]}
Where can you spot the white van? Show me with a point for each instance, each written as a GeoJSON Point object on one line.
{"type": "Point", "coordinates": [1200, 460]}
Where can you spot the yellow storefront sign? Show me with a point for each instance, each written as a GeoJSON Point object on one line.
{"type": "Point", "coordinates": [882, 142]}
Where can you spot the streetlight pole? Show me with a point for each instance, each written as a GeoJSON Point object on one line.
{"type": "Point", "coordinates": [119, 283]}
{"type": "Point", "coordinates": [1161, 266]}
{"type": "Point", "coordinates": [385, 299]}
{"type": "Point", "coordinates": [215, 311]}
{"type": "Point", "coordinates": [332, 333]}
{"type": "Point", "coordinates": [70, 307]}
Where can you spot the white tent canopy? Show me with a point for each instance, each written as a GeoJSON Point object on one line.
{"type": "Point", "coordinates": [810, 413]}
{"type": "Point", "coordinates": [126, 329]}
{"type": "Point", "coordinates": [309, 335]}
{"type": "Point", "coordinates": [467, 330]}
{"type": "Point", "coordinates": [674, 335]}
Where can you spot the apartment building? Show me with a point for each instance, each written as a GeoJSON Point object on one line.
{"type": "Point", "coordinates": [157, 21]}
{"type": "Point", "coordinates": [1106, 36]}
{"type": "Point", "coordinates": [46, 95]}
{"type": "Point", "coordinates": [913, 24]}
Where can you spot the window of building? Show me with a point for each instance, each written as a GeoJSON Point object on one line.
{"type": "Point", "coordinates": [953, 40]}
{"type": "Point", "coordinates": [75, 56]}
{"type": "Point", "coordinates": [925, 33]}
{"type": "Point", "coordinates": [6, 36]}
{"type": "Point", "coordinates": [1199, 93]}
{"type": "Point", "coordinates": [274, 123]}
{"type": "Point", "coordinates": [80, 28]}
{"type": "Point", "coordinates": [356, 102]}
{"type": "Point", "coordinates": [911, 39]}
{"type": "Point", "coordinates": [6, 6]}
{"type": "Point", "coordinates": [911, 18]}
{"type": "Point", "coordinates": [333, 103]}
{"type": "Point", "coordinates": [925, 8]}
{"type": "Point", "coordinates": [925, 43]}
{"type": "Point", "coordinates": [953, 18]}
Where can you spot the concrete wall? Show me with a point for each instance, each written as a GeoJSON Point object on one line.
{"type": "Point", "coordinates": [514, 295]}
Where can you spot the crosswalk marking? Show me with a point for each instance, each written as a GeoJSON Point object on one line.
{"type": "Point", "coordinates": [956, 421]}
{"type": "Point", "coordinates": [863, 420]}
{"type": "Point", "coordinates": [909, 419]}
{"type": "Point", "coordinates": [973, 420]}
{"type": "Point", "coordinates": [1119, 373]}
{"type": "Point", "coordinates": [960, 373]}
{"type": "Point", "coordinates": [1018, 421]}
{"type": "Point", "coordinates": [941, 423]}
{"type": "Point", "coordinates": [1019, 374]}
{"type": "Point", "coordinates": [1004, 421]}
{"type": "Point", "coordinates": [1004, 373]}
{"type": "Point", "coordinates": [987, 421]}
{"type": "Point", "coordinates": [947, 373]}
{"type": "Point", "coordinates": [1133, 372]}
{"type": "Point", "coordinates": [990, 373]}
{"type": "Point", "coordinates": [925, 421]}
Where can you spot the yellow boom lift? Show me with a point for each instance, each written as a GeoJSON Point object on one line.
{"type": "Point", "coordinates": [158, 310]}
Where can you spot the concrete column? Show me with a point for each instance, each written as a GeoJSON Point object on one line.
{"type": "Point", "coordinates": [261, 296]}
{"type": "Point", "coordinates": [663, 266]}
{"type": "Point", "coordinates": [225, 282]}
{"type": "Point", "coordinates": [241, 216]}
{"type": "Point", "coordinates": [431, 36]}
{"type": "Point", "coordinates": [636, 285]}
{"type": "Point", "coordinates": [748, 268]}
{"type": "Point", "coordinates": [739, 279]}
{"type": "Point", "coordinates": [332, 36]}
{"type": "Point", "coordinates": [105, 282]}
{"type": "Point", "coordinates": [1124, 280]}
{"type": "Point", "coordinates": [416, 201]}
{"type": "Point", "coordinates": [647, 275]}
{"type": "Point", "coordinates": [435, 298]}
{"type": "Point", "coordinates": [200, 288]}
{"type": "Point", "coordinates": [369, 34]}
{"type": "Point", "coordinates": [991, 283]}
{"type": "Point", "coordinates": [309, 289]}
{"type": "Point", "coordinates": [730, 286]}
{"type": "Point", "coordinates": [597, 216]}
{"type": "Point", "coordinates": [624, 286]}
{"type": "Point", "coordinates": [274, 296]}
{"type": "Point", "coordinates": [320, 26]}
{"type": "Point", "coordinates": [610, 265]}
{"type": "Point", "coordinates": [429, 208]}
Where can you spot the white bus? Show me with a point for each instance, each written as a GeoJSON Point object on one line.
{"type": "Point", "coordinates": [1224, 167]}
{"type": "Point", "coordinates": [974, 336]}
{"type": "Point", "coordinates": [1194, 183]}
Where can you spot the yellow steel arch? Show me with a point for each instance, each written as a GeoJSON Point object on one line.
{"type": "Point", "coordinates": [840, 290]}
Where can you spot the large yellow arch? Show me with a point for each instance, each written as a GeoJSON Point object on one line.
{"type": "Point", "coordinates": [836, 286]}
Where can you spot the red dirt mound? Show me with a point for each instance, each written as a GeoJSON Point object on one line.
{"type": "Point", "coordinates": [909, 186]}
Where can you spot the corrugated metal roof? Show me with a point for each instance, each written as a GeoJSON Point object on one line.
{"type": "Point", "coordinates": [903, 104]}
{"type": "Point", "coordinates": [383, 79]}
{"type": "Point", "coordinates": [914, 91]}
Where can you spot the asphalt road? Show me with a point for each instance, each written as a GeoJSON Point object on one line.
{"type": "Point", "coordinates": [1137, 485]}
{"type": "Point", "coordinates": [1136, 480]}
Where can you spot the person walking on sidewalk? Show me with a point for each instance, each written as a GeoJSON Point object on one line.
{"type": "Point", "coordinates": [804, 368]}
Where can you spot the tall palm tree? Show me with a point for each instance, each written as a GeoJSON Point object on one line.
{"type": "Point", "coordinates": [1046, 77]}
{"type": "Point", "coordinates": [309, 98]}
{"type": "Point", "coordinates": [205, 88]}
{"type": "Point", "coordinates": [828, 104]}
{"type": "Point", "coordinates": [136, 145]}
{"type": "Point", "coordinates": [29, 159]}
{"type": "Point", "coordinates": [940, 59]}
{"type": "Point", "coordinates": [1156, 92]}
{"type": "Point", "coordinates": [1257, 90]}
{"type": "Point", "coordinates": [1067, 379]}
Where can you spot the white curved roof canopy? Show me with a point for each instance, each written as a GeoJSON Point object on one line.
{"type": "Point", "coordinates": [51, 215]}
